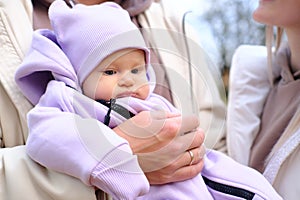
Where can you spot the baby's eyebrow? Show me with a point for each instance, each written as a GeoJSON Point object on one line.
{"type": "Point", "coordinates": [109, 68]}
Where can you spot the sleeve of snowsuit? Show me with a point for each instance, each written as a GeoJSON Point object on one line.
{"type": "Point", "coordinates": [82, 147]}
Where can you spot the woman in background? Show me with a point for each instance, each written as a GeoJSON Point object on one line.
{"type": "Point", "coordinates": [263, 111]}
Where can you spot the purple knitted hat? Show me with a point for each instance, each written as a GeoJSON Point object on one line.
{"type": "Point", "coordinates": [88, 34]}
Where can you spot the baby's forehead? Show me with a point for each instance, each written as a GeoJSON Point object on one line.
{"type": "Point", "coordinates": [127, 52]}
{"type": "Point", "coordinates": [122, 57]}
{"type": "Point", "coordinates": [124, 54]}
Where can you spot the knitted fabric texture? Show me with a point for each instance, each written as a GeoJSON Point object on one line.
{"type": "Point", "coordinates": [88, 34]}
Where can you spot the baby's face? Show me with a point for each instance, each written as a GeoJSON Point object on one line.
{"type": "Point", "coordinates": [121, 74]}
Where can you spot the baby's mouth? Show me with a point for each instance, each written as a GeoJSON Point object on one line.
{"type": "Point", "coordinates": [127, 94]}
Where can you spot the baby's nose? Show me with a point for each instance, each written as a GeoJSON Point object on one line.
{"type": "Point", "coordinates": [126, 80]}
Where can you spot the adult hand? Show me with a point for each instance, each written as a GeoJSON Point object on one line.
{"type": "Point", "coordinates": [161, 140]}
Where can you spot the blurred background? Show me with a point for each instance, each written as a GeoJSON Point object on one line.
{"type": "Point", "coordinates": [222, 26]}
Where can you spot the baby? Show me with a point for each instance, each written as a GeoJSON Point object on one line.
{"type": "Point", "coordinates": [95, 65]}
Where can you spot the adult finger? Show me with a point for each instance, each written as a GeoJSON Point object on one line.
{"type": "Point", "coordinates": [159, 123]}
{"type": "Point", "coordinates": [192, 139]}
{"type": "Point", "coordinates": [177, 126]}
{"type": "Point", "coordinates": [192, 156]}
{"type": "Point", "coordinates": [171, 154]}
{"type": "Point", "coordinates": [146, 124]}
{"type": "Point", "coordinates": [166, 175]}
{"type": "Point", "coordinates": [189, 123]}
{"type": "Point", "coordinates": [154, 130]}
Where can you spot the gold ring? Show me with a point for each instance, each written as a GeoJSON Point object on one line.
{"type": "Point", "coordinates": [192, 157]}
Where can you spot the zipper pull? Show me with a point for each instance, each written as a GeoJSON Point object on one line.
{"type": "Point", "coordinates": [107, 116]}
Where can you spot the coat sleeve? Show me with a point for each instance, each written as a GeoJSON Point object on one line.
{"type": "Point", "coordinates": [248, 90]}
{"type": "Point", "coordinates": [82, 147]}
{"type": "Point", "coordinates": [20, 177]}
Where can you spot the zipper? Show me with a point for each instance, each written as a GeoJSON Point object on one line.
{"type": "Point", "coordinates": [230, 190]}
{"type": "Point", "coordinates": [111, 104]}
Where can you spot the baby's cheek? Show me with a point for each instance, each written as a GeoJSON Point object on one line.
{"type": "Point", "coordinates": [104, 92]}
{"type": "Point", "coordinates": [145, 90]}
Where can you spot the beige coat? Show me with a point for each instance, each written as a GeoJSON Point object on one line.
{"type": "Point", "coordinates": [21, 178]}
{"type": "Point", "coordinates": [195, 85]}
{"type": "Point", "coordinates": [249, 87]}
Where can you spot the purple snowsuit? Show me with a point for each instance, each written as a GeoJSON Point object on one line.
{"type": "Point", "coordinates": [67, 135]}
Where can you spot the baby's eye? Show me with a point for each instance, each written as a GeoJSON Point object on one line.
{"type": "Point", "coordinates": [135, 71]}
{"type": "Point", "coordinates": [109, 72]}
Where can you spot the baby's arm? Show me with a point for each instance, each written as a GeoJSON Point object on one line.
{"type": "Point", "coordinates": [68, 143]}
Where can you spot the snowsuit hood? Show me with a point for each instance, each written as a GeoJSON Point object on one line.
{"type": "Point", "coordinates": [69, 54]}
{"type": "Point", "coordinates": [34, 74]}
